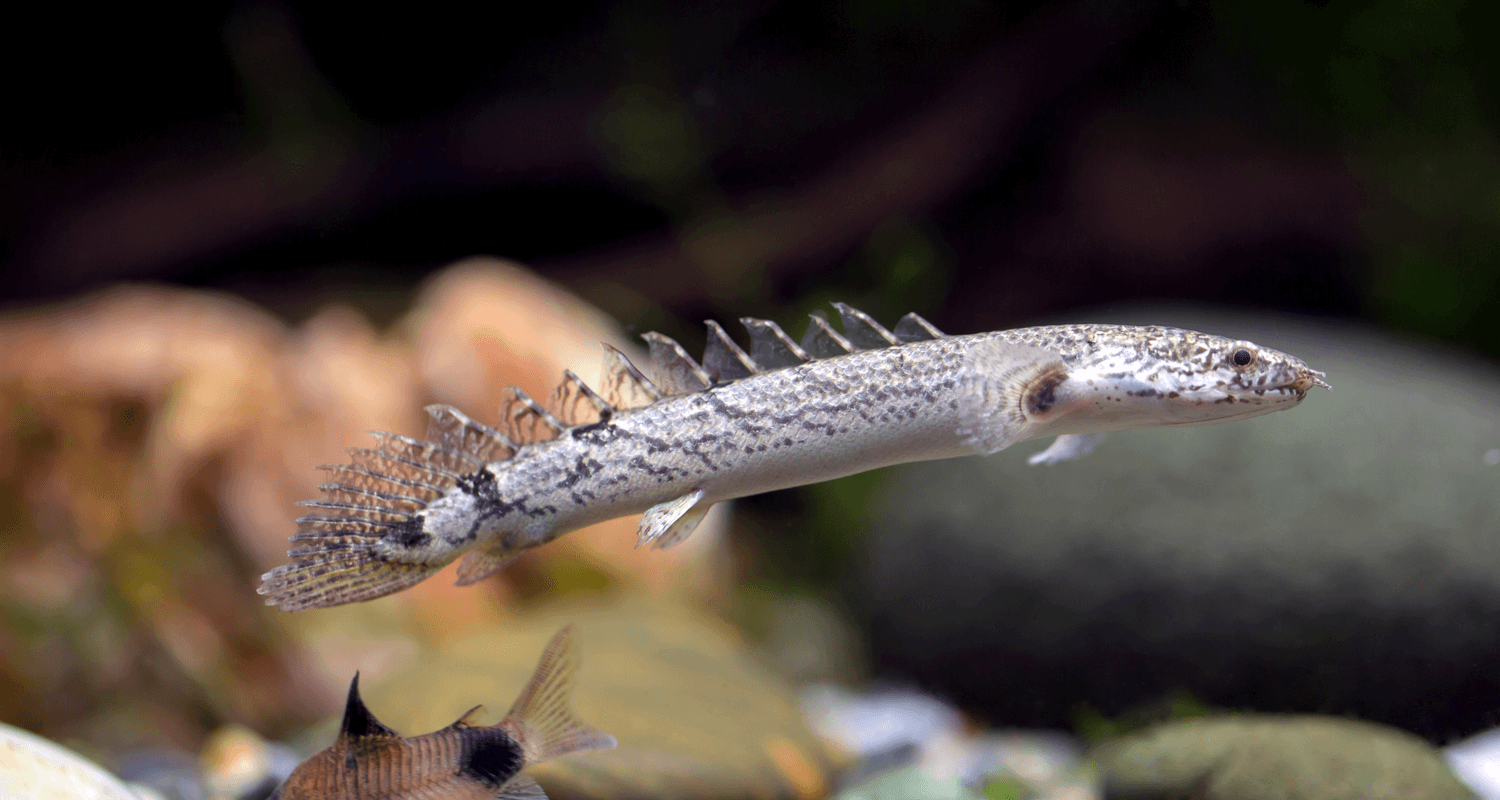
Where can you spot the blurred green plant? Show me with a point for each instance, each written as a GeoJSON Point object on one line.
{"type": "Point", "coordinates": [1404, 86]}
{"type": "Point", "coordinates": [1093, 727]}
{"type": "Point", "coordinates": [1004, 787]}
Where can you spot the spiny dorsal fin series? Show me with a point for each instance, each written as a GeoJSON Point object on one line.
{"type": "Point", "coordinates": [462, 441]}
{"type": "Point", "coordinates": [770, 347]}
{"type": "Point", "coordinates": [577, 404]}
{"type": "Point", "coordinates": [676, 371]}
{"type": "Point", "coordinates": [625, 386]}
{"type": "Point", "coordinates": [723, 360]}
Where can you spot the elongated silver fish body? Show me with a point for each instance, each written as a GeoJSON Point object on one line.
{"type": "Point", "coordinates": [782, 415]}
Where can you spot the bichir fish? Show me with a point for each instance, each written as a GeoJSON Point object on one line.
{"type": "Point", "coordinates": [463, 761]}
{"type": "Point", "coordinates": [674, 442]}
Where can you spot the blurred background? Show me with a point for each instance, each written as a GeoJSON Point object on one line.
{"type": "Point", "coordinates": [238, 235]}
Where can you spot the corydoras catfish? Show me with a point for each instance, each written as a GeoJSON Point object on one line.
{"type": "Point", "coordinates": [463, 761]}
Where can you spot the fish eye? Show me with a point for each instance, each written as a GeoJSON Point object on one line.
{"type": "Point", "coordinates": [1242, 357]}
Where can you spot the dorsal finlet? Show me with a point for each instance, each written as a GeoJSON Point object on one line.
{"type": "Point", "coordinates": [723, 360]}
{"type": "Point", "coordinates": [451, 428]}
{"type": "Point", "coordinates": [862, 330]}
{"type": "Point", "coordinates": [530, 406]}
{"type": "Point", "coordinates": [571, 394]}
{"type": "Point", "coordinates": [822, 341]}
{"type": "Point", "coordinates": [522, 415]}
{"type": "Point", "coordinates": [770, 347]}
{"type": "Point", "coordinates": [912, 328]}
{"type": "Point", "coordinates": [676, 371]}
{"type": "Point", "coordinates": [358, 722]}
{"type": "Point", "coordinates": [622, 379]}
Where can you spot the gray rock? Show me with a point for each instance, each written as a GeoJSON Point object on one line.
{"type": "Point", "coordinates": [1275, 758]}
{"type": "Point", "coordinates": [1341, 556]}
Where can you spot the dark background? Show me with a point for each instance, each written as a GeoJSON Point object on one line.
{"type": "Point", "coordinates": [1022, 158]}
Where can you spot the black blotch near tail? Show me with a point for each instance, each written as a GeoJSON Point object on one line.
{"type": "Point", "coordinates": [490, 756]}
{"type": "Point", "coordinates": [408, 533]}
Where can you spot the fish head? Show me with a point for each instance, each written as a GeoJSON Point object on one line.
{"type": "Point", "coordinates": [1174, 377]}
{"type": "Point", "coordinates": [1231, 379]}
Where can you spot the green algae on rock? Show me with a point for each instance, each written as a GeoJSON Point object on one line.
{"type": "Point", "coordinates": [1265, 757]}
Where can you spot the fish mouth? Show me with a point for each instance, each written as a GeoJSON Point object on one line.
{"type": "Point", "coordinates": [1310, 378]}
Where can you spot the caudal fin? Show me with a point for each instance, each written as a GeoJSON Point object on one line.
{"type": "Point", "coordinates": [325, 579]}
{"type": "Point", "coordinates": [543, 716]}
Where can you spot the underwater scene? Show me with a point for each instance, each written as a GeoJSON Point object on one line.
{"type": "Point", "coordinates": [864, 399]}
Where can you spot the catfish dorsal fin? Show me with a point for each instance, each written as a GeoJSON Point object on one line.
{"type": "Point", "coordinates": [543, 715]}
{"type": "Point", "coordinates": [358, 722]}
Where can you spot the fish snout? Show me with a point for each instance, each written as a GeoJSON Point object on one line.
{"type": "Point", "coordinates": [1310, 378]}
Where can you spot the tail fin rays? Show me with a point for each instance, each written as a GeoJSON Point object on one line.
{"type": "Point", "coordinates": [337, 576]}
{"type": "Point", "coordinates": [543, 712]}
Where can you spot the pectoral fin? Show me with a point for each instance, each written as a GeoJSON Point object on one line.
{"type": "Point", "coordinates": [480, 564]}
{"type": "Point", "coordinates": [521, 788]}
{"type": "Point", "coordinates": [668, 523]}
{"type": "Point", "coordinates": [1002, 387]}
{"type": "Point", "coordinates": [1067, 447]}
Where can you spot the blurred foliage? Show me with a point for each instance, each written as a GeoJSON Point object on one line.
{"type": "Point", "coordinates": [1093, 727]}
{"type": "Point", "coordinates": [1407, 89]}
{"type": "Point", "coordinates": [1001, 787]}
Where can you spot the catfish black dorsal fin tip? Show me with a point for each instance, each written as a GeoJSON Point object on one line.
{"type": "Point", "coordinates": [862, 330]}
{"type": "Point", "coordinates": [358, 721]}
{"type": "Point", "coordinates": [543, 711]}
{"type": "Point", "coordinates": [723, 360]}
{"type": "Point", "coordinates": [770, 347]}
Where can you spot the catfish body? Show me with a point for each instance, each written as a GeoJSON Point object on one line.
{"type": "Point", "coordinates": [463, 761]}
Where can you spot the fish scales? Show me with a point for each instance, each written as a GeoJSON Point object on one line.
{"type": "Point", "coordinates": [824, 419]}
{"type": "Point", "coordinates": [835, 405]}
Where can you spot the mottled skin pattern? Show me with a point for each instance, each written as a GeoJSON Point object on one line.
{"type": "Point", "coordinates": [836, 417]}
{"type": "Point", "coordinates": [823, 419]}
